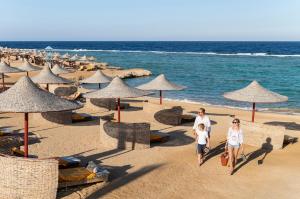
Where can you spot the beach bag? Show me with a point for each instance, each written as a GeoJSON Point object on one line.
{"type": "Point", "coordinates": [224, 159]}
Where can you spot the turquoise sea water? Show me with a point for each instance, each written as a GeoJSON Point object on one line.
{"type": "Point", "coordinates": [207, 69]}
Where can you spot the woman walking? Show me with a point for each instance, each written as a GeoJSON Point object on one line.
{"type": "Point", "coordinates": [234, 143]}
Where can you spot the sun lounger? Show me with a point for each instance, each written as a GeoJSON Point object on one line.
{"type": "Point", "coordinates": [81, 117]}
{"type": "Point", "coordinates": [158, 137]}
{"type": "Point", "coordinates": [80, 176]}
{"type": "Point", "coordinates": [72, 97]}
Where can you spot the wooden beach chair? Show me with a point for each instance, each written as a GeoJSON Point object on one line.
{"type": "Point", "coordinates": [81, 117]}
{"type": "Point", "coordinates": [156, 136]}
{"type": "Point", "coordinates": [80, 176]}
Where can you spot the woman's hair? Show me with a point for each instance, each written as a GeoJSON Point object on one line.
{"type": "Point", "coordinates": [201, 126]}
{"type": "Point", "coordinates": [237, 121]}
{"type": "Point", "coordinates": [202, 110]}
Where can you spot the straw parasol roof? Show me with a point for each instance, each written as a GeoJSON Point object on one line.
{"type": "Point", "coordinates": [117, 89]}
{"type": "Point", "coordinates": [48, 48]}
{"type": "Point", "coordinates": [26, 66]}
{"type": "Point", "coordinates": [57, 70]}
{"type": "Point", "coordinates": [25, 97]}
{"type": "Point", "coordinates": [255, 93]}
{"type": "Point", "coordinates": [83, 58]}
{"type": "Point", "coordinates": [46, 76]}
{"type": "Point", "coordinates": [4, 68]}
{"type": "Point", "coordinates": [97, 78]}
{"type": "Point", "coordinates": [91, 58]}
{"type": "Point", "coordinates": [74, 57]}
{"type": "Point", "coordinates": [65, 56]}
{"type": "Point", "coordinates": [161, 83]}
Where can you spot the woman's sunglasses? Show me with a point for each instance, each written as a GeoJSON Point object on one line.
{"type": "Point", "coordinates": [235, 122]}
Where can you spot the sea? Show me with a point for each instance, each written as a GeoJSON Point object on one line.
{"type": "Point", "coordinates": [208, 69]}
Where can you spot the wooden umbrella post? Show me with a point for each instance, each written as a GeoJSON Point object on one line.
{"type": "Point", "coordinates": [160, 97]}
{"type": "Point", "coordinates": [26, 135]}
{"type": "Point", "coordinates": [119, 109]}
{"type": "Point", "coordinates": [47, 87]}
{"type": "Point", "coordinates": [253, 112]}
{"type": "Point", "coordinates": [27, 73]}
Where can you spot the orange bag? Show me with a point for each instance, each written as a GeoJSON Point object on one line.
{"type": "Point", "coordinates": [224, 159]}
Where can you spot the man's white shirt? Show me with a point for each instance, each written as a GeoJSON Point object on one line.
{"type": "Point", "coordinates": [202, 120]}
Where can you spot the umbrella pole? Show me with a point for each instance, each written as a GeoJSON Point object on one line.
{"type": "Point", "coordinates": [27, 73]}
{"type": "Point", "coordinates": [119, 115]}
{"type": "Point", "coordinates": [160, 97]}
{"type": "Point", "coordinates": [47, 87]}
{"type": "Point", "coordinates": [253, 112]}
{"type": "Point", "coordinates": [26, 135]}
{"type": "Point", "coordinates": [99, 85]}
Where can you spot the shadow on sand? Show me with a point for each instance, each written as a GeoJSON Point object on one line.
{"type": "Point", "coordinates": [119, 180]}
{"type": "Point", "coordinates": [287, 125]}
{"type": "Point", "coordinates": [265, 149]}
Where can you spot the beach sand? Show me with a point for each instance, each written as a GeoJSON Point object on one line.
{"type": "Point", "coordinates": [168, 170]}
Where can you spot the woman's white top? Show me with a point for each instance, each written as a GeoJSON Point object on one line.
{"type": "Point", "coordinates": [235, 137]}
{"type": "Point", "coordinates": [202, 136]}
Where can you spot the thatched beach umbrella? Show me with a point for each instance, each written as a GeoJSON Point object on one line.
{"type": "Point", "coordinates": [26, 97]}
{"type": "Point", "coordinates": [74, 57]}
{"type": "Point", "coordinates": [117, 89]}
{"type": "Point", "coordinates": [255, 93]}
{"type": "Point", "coordinates": [48, 48]}
{"type": "Point", "coordinates": [97, 78]}
{"type": "Point", "coordinates": [46, 76]}
{"type": "Point", "coordinates": [66, 56]}
{"type": "Point", "coordinates": [84, 59]}
{"type": "Point", "coordinates": [58, 70]}
{"type": "Point", "coordinates": [91, 58]}
{"type": "Point", "coordinates": [27, 67]}
{"type": "Point", "coordinates": [4, 68]}
{"type": "Point", "coordinates": [161, 83]}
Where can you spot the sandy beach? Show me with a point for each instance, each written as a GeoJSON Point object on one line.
{"type": "Point", "coordinates": [168, 170]}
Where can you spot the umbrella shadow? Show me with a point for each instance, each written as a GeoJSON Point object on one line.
{"type": "Point", "coordinates": [176, 138]}
{"type": "Point", "coordinates": [99, 157]}
{"type": "Point", "coordinates": [214, 114]}
{"type": "Point", "coordinates": [287, 125]}
{"type": "Point", "coordinates": [132, 108]}
{"type": "Point", "coordinates": [120, 181]}
{"type": "Point", "coordinates": [262, 152]}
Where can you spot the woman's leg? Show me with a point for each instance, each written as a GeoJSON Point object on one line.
{"type": "Point", "coordinates": [235, 154]}
{"type": "Point", "coordinates": [230, 153]}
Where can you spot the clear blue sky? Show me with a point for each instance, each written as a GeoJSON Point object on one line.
{"type": "Point", "coordinates": [150, 20]}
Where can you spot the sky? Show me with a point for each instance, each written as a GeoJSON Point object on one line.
{"type": "Point", "coordinates": [150, 20]}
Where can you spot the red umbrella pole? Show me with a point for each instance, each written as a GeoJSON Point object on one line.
{"type": "Point", "coordinates": [253, 112]}
{"type": "Point", "coordinates": [160, 97]}
{"type": "Point", "coordinates": [119, 115]}
{"type": "Point", "coordinates": [26, 135]}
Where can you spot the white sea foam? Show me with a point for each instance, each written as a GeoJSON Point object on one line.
{"type": "Point", "coordinates": [256, 54]}
{"type": "Point", "coordinates": [248, 108]}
